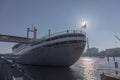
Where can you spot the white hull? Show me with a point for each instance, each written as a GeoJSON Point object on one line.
{"type": "Point", "coordinates": [62, 56]}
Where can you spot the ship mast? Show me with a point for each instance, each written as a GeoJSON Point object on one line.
{"type": "Point", "coordinates": [34, 30]}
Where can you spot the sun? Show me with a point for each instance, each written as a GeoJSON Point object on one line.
{"type": "Point", "coordinates": [84, 23]}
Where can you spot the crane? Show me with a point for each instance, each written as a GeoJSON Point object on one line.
{"type": "Point", "coordinates": [117, 37]}
{"type": "Point", "coordinates": [87, 44]}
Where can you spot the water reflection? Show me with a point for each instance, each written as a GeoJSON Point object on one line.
{"type": "Point", "coordinates": [50, 73]}
{"type": "Point", "coordinates": [88, 68]}
{"type": "Point", "coordinates": [84, 69]}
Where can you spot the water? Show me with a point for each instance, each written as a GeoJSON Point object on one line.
{"type": "Point", "coordinates": [86, 68]}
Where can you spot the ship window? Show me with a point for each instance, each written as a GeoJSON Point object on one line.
{"type": "Point", "coordinates": [67, 35]}
{"type": "Point", "coordinates": [57, 37]}
{"type": "Point", "coordinates": [65, 42]}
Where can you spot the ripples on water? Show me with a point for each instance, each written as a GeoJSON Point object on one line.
{"type": "Point", "coordinates": [85, 68]}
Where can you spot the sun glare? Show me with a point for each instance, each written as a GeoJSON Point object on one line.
{"type": "Point", "coordinates": [84, 23]}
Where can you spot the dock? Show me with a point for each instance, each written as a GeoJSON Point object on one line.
{"type": "Point", "coordinates": [9, 73]}
{"type": "Point", "coordinates": [110, 76]}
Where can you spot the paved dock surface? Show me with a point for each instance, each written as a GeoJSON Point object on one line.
{"type": "Point", "coordinates": [9, 73]}
{"type": "Point", "coordinates": [110, 76]}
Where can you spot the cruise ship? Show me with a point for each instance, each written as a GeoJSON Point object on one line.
{"type": "Point", "coordinates": [59, 49]}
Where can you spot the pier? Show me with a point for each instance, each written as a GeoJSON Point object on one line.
{"type": "Point", "coordinates": [110, 76]}
{"type": "Point", "coordinates": [9, 73]}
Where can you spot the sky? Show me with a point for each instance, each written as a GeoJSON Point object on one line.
{"type": "Point", "coordinates": [102, 18]}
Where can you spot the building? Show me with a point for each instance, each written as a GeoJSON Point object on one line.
{"type": "Point", "coordinates": [91, 52]}
{"type": "Point", "coordinates": [113, 51]}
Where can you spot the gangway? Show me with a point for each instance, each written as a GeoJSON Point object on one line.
{"type": "Point", "coordinates": [16, 39]}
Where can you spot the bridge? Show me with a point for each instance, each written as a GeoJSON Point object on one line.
{"type": "Point", "coordinates": [16, 39]}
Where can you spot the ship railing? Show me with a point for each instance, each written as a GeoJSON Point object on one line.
{"type": "Point", "coordinates": [42, 39]}
{"type": "Point", "coordinates": [63, 32]}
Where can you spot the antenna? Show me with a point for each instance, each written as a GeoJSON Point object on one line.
{"type": "Point", "coordinates": [49, 32]}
